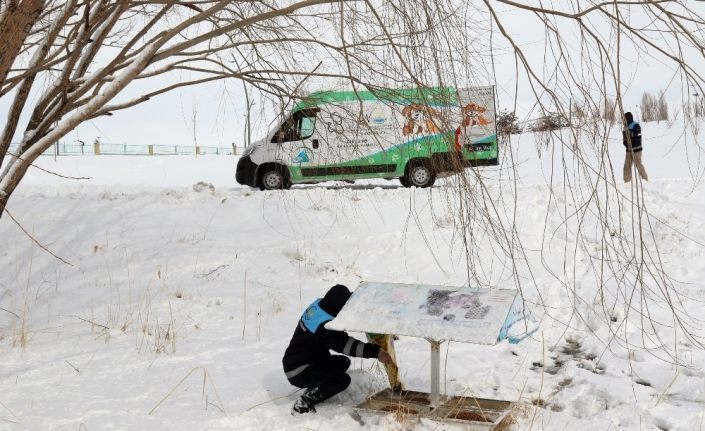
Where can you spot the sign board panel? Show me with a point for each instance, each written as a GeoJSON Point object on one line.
{"type": "Point", "coordinates": [464, 314]}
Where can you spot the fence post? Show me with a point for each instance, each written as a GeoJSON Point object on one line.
{"type": "Point", "coordinates": [96, 148]}
{"type": "Point", "coordinates": [198, 150]}
{"type": "Point", "coordinates": [150, 149]}
{"type": "Point", "coordinates": [234, 149]}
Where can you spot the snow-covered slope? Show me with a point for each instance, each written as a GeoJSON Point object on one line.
{"type": "Point", "coordinates": [179, 299]}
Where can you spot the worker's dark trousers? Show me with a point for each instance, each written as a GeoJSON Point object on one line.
{"type": "Point", "coordinates": [328, 376]}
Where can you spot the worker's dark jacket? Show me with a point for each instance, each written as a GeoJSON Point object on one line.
{"type": "Point", "coordinates": [312, 341]}
{"type": "Point", "coordinates": [634, 130]}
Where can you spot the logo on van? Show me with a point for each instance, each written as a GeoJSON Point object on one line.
{"type": "Point", "coordinates": [303, 156]}
{"type": "Point", "coordinates": [377, 117]}
{"type": "Point", "coordinates": [378, 120]}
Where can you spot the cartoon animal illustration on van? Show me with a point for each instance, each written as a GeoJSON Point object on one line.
{"type": "Point", "coordinates": [474, 123]}
{"type": "Point", "coordinates": [474, 115]}
{"type": "Point", "coordinates": [420, 119]}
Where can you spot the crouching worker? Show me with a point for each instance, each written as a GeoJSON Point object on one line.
{"type": "Point", "coordinates": [307, 361]}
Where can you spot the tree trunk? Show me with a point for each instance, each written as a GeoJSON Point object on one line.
{"type": "Point", "coordinates": [13, 181]}
{"type": "Point", "coordinates": [15, 26]}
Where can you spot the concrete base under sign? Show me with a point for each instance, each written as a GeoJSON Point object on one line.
{"type": "Point", "coordinates": [475, 413]}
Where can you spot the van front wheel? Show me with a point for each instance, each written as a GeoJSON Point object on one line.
{"type": "Point", "coordinates": [272, 178]}
{"type": "Point", "coordinates": [419, 175]}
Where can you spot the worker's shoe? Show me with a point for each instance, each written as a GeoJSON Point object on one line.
{"type": "Point", "coordinates": [306, 402]}
{"type": "Point", "coordinates": [301, 407]}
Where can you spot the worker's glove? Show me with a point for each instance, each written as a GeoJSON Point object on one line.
{"type": "Point", "coordinates": [384, 357]}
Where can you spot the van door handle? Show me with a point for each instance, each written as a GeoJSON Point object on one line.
{"type": "Point", "coordinates": [315, 144]}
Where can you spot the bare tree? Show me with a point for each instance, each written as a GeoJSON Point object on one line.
{"type": "Point", "coordinates": [662, 107]}
{"type": "Point", "coordinates": [77, 57]}
{"type": "Point", "coordinates": [582, 59]}
{"type": "Point", "coordinates": [654, 108]}
{"type": "Point", "coordinates": [508, 123]}
{"type": "Point", "coordinates": [609, 110]}
{"type": "Point", "coordinates": [66, 62]}
{"type": "Point", "coordinates": [648, 107]}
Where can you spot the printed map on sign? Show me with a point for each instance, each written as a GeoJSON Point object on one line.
{"type": "Point", "coordinates": [482, 316]}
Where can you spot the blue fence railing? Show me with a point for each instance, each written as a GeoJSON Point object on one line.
{"type": "Point", "coordinates": [106, 148]}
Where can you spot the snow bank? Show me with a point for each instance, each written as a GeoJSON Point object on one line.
{"type": "Point", "coordinates": [180, 301]}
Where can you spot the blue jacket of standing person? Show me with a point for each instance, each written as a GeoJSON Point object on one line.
{"type": "Point", "coordinates": [633, 133]}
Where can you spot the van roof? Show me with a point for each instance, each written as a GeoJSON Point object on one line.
{"type": "Point", "coordinates": [430, 96]}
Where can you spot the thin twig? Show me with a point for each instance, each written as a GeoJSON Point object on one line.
{"type": "Point", "coordinates": [48, 171]}
{"type": "Point", "coordinates": [34, 240]}
{"type": "Point", "coordinates": [11, 312]}
{"type": "Point", "coordinates": [72, 366]}
{"type": "Point", "coordinates": [89, 321]}
{"type": "Point", "coordinates": [269, 401]}
{"type": "Point", "coordinates": [244, 305]}
{"type": "Point", "coordinates": [17, 419]}
{"type": "Point", "coordinates": [206, 375]}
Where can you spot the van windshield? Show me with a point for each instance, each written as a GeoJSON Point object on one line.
{"type": "Point", "coordinates": [300, 125]}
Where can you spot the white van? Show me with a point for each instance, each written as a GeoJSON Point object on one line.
{"type": "Point", "coordinates": [411, 134]}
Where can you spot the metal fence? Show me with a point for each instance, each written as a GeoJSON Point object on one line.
{"type": "Point", "coordinates": [78, 148]}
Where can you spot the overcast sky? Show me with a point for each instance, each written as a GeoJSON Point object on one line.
{"type": "Point", "coordinates": [213, 114]}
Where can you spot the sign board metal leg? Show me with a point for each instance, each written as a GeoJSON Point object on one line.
{"type": "Point", "coordinates": [435, 373]}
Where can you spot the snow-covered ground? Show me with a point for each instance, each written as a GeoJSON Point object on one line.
{"type": "Point", "coordinates": [179, 299]}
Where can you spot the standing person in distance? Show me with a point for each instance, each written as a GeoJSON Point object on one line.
{"type": "Point", "coordinates": [631, 138]}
